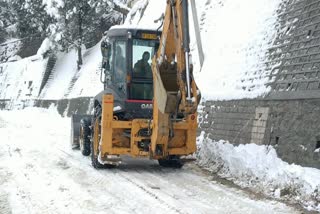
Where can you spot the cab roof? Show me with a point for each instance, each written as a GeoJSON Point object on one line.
{"type": "Point", "coordinates": [122, 30]}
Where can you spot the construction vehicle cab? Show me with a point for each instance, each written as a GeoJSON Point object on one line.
{"type": "Point", "coordinates": [127, 57]}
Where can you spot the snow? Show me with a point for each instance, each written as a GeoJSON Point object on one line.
{"type": "Point", "coordinates": [21, 79]}
{"type": "Point", "coordinates": [44, 48]}
{"type": "Point", "coordinates": [88, 78]}
{"type": "Point", "coordinates": [258, 167]}
{"type": "Point", "coordinates": [14, 58]}
{"type": "Point", "coordinates": [52, 6]}
{"type": "Point", "coordinates": [236, 36]}
{"type": "Point", "coordinates": [233, 67]}
{"type": "Point", "coordinates": [39, 173]}
{"type": "Point", "coordinates": [9, 49]}
{"type": "Point", "coordinates": [65, 69]}
{"type": "Point", "coordinates": [117, 108]}
{"type": "Point", "coordinates": [65, 80]}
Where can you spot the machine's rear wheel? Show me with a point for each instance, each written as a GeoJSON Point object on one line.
{"type": "Point", "coordinates": [171, 162]}
{"type": "Point", "coordinates": [85, 132]}
{"type": "Point", "coordinates": [75, 132]}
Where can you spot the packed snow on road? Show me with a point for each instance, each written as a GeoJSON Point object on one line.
{"type": "Point", "coordinates": [39, 173]}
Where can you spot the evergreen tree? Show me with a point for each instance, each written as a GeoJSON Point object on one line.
{"type": "Point", "coordinates": [80, 22]}
{"type": "Point", "coordinates": [7, 18]}
{"type": "Point", "coordinates": [31, 17]}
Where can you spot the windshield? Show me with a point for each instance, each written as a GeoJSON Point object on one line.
{"type": "Point", "coordinates": [143, 51]}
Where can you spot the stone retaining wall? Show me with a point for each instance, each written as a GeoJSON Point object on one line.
{"type": "Point", "coordinates": [291, 126]}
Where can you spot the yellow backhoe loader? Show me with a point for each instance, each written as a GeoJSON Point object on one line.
{"type": "Point", "coordinates": [148, 107]}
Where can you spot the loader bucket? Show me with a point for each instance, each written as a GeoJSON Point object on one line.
{"type": "Point", "coordinates": [75, 130]}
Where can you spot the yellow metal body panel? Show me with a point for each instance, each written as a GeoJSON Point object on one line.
{"type": "Point", "coordinates": [113, 143]}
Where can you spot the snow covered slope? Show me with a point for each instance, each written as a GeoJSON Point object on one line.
{"type": "Point", "coordinates": [22, 79]}
{"type": "Point", "coordinates": [67, 82]}
{"type": "Point", "coordinates": [235, 35]}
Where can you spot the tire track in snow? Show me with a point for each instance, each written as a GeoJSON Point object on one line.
{"type": "Point", "coordinates": [102, 180]}
{"type": "Point", "coordinates": [4, 203]}
{"type": "Point", "coordinates": [152, 194]}
{"type": "Point", "coordinates": [127, 189]}
{"type": "Point", "coordinates": [25, 195]}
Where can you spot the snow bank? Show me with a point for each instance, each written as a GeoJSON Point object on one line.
{"type": "Point", "coordinates": [26, 118]}
{"type": "Point", "coordinates": [259, 167]}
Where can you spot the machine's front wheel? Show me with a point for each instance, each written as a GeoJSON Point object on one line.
{"type": "Point", "coordinates": [171, 162]}
{"type": "Point", "coordinates": [96, 135]}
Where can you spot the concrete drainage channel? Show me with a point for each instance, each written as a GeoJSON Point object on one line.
{"type": "Point", "coordinates": [66, 107]}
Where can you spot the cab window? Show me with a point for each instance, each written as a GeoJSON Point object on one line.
{"type": "Point", "coordinates": [119, 71]}
{"type": "Point", "coordinates": [143, 51]}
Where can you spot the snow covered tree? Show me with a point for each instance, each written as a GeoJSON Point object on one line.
{"type": "Point", "coordinates": [7, 18]}
{"type": "Point", "coordinates": [80, 22]}
{"type": "Point", "coordinates": [31, 18]}
{"type": "Point", "coordinates": [24, 19]}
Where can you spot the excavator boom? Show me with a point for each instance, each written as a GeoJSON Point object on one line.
{"type": "Point", "coordinates": [175, 92]}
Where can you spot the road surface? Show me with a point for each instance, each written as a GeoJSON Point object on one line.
{"type": "Point", "coordinates": [39, 173]}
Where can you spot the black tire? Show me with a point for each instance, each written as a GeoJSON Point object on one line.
{"type": "Point", "coordinates": [85, 133]}
{"type": "Point", "coordinates": [96, 135]}
{"type": "Point", "coordinates": [75, 134]}
{"type": "Point", "coordinates": [171, 162]}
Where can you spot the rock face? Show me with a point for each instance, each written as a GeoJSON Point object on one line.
{"type": "Point", "coordinates": [291, 126]}
{"type": "Point", "coordinates": [289, 116]}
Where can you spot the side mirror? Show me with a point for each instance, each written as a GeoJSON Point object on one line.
{"type": "Point", "coordinates": [106, 65]}
{"type": "Point", "coordinates": [105, 75]}
{"type": "Point", "coordinates": [106, 49]}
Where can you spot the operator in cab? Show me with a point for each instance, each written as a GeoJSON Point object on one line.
{"type": "Point", "coordinates": [142, 68]}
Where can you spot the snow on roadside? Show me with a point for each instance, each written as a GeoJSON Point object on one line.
{"type": "Point", "coordinates": [259, 167]}
{"type": "Point", "coordinates": [29, 134]}
{"type": "Point", "coordinates": [88, 78]}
